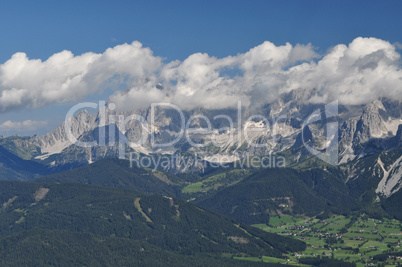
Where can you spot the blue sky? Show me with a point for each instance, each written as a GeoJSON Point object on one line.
{"type": "Point", "coordinates": [176, 29]}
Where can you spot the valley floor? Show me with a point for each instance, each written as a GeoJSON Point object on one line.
{"type": "Point", "coordinates": [364, 241]}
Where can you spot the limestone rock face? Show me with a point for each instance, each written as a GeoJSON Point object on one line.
{"type": "Point", "coordinates": [229, 133]}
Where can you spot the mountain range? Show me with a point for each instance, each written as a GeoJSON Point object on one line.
{"type": "Point", "coordinates": [100, 185]}
{"type": "Point", "coordinates": [291, 126]}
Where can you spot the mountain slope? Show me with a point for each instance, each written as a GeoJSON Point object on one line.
{"type": "Point", "coordinates": [169, 224]}
{"type": "Point", "coordinates": [13, 167]}
{"type": "Point", "coordinates": [364, 130]}
{"type": "Point", "coordinates": [65, 248]}
{"type": "Point", "coordinates": [377, 179]}
{"type": "Point", "coordinates": [282, 190]}
{"type": "Point", "coordinates": [116, 173]}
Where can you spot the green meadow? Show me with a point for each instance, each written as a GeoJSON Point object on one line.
{"type": "Point", "coordinates": [356, 240]}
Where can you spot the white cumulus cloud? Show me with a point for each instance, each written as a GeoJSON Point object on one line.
{"type": "Point", "coordinates": [28, 125]}
{"type": "Point", "coordinates": [357, 73]}
{"type": "Point", "coordinates": [64, 77]}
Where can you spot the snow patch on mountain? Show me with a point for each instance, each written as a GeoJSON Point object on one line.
{"type": "Point", "coordinates": [50, 149]}
{"type": "Point", "coordinates": [391, 180]}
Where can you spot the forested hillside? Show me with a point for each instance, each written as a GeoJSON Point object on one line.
{"type": "Point", "coordinates": [51, 220]}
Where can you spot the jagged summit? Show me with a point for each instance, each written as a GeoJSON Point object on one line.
{"type": "Point", "coordinates": [363, 130]}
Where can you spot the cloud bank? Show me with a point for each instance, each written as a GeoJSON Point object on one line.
{"type": "Point", "coordinates": [28, 125]}
{"type": "Point", "coordinates": [357, 73]}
